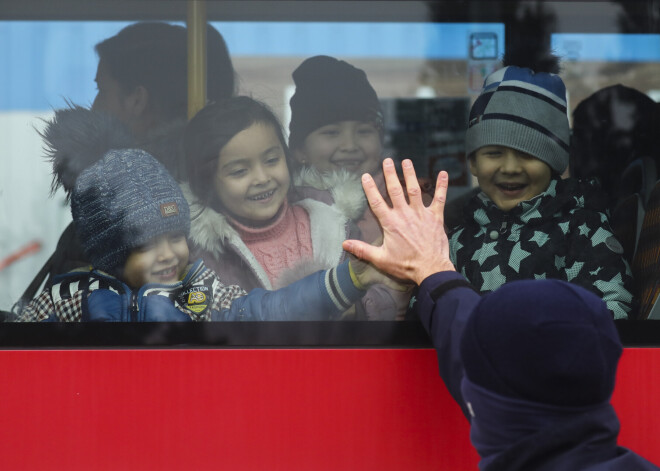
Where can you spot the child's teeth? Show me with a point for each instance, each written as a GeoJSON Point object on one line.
{"type": "Point", "coordinates": [263, 196]}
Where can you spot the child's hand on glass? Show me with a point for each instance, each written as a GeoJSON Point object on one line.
{"type": "Point", "coordinates": [364, 275]}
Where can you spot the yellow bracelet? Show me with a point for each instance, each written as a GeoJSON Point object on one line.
{"type": "Point", "coordinates": [354, 278]}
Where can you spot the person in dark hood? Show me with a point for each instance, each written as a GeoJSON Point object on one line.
{"type": "Point", "coordinates": [532, 364]}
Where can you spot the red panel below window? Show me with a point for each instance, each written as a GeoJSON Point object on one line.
{"type": "Point", "coordinates": [258, 409]}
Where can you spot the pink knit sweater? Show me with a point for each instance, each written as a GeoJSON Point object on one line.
{"type": "Point", "coordinates": [281, 245]}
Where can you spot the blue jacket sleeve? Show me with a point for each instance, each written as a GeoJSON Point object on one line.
{"type": "Point", "coordinates": [444, 303]}
{"type": "Point", "coordinates": [318, 296]}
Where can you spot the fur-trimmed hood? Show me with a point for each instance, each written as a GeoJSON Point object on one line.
{"type": "Point", "coordinates": [77, 137]}
{"type": "Point", "coordinates": [345, 188]}
{"type": "Point", "coordinates": [212, 233]}
{"type": "Point", "coordinates": [209, 229]}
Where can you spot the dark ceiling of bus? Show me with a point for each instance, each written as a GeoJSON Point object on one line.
{"type": "Point", "coordinates": [262, 10]}
{"type": "Point", "coordinates": [641, 16]}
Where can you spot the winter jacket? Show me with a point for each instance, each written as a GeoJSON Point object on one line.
{"type": "Point", "coordinates": [562, 234]}
{"type": "Point", "coordinates": [515, 434]}
{"type": "Point", "coordinates": [91, 295]}
{"type": "Point", "coordinates": [331, 215]}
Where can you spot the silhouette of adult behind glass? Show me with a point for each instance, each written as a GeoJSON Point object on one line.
{"type": "Point", "coordinates": [614, 141]}
{"type": "Point", "coordinates": [142, 80]}
{"type": "Point", "coordinates": [611, 128]}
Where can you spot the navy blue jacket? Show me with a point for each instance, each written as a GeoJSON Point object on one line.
{"type": "Point", "coordinates": [584, 441]}
{"type": "Point", "coordinates": [96, 296]}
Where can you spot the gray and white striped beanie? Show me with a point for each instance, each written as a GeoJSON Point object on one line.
{"type": "Point", "coordinates": [523, 110]}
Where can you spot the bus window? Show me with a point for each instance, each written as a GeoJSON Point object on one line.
{"type": "Point", "coordinates": [425, 61]}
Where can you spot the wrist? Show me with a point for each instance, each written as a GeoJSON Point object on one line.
{"type": "Point", "coordinates": [354, 277]}
{"type": "Point", "coordinates": [424, 272]}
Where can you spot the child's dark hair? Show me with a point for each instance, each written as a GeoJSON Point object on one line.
{"type": "Point", "coordinates": [211, 129]}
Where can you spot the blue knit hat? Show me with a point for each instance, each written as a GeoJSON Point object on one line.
{"type": "Point", "coordinates": [546, 341]}
{"type": "Point", "coordinates": [121, 202]}
{"type": "Point", "coordinates": [523, 110]}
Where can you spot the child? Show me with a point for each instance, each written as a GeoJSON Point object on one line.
{"type": "Point", "coordinates": [336, 135]}
{"type": "Point", "coordinates": [527, 222]}
{"type": "Point", "coordinates": [336, 129]}
{"type": "Point", "coordinates": [249, 224]}
{"type": "Point", "coordinates": [336, 119]}
{"type": "Point", "coordinates": [132, 220]}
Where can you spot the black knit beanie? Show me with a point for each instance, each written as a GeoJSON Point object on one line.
{"type": "Point", "coordinates": [546, 341]}
{"type": "Point", "coordinates": [328, 91]}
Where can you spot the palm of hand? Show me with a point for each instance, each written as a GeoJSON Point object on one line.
{"type": "Point", "coordinates": [415, 243]}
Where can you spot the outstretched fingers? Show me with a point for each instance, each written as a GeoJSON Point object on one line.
{"type": "Point", "coordinates": [412, 184]}
{"type": "Point", "coordinates": [374, 198]}
{"type": "Point", "coordinates": [394, 189]}
{"type": "Point", "coordinates": [440, 198]}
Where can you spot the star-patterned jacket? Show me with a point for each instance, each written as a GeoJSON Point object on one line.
{"type": "Point", "coordinates": [563, 233]}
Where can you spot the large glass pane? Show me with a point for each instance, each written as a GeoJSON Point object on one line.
{"type": "Point", "coordinates": [426, 63]}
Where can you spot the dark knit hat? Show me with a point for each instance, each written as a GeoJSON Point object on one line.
{"type": "Point", "coordinates": [546, 341]}
{"type": "Point", "coordinates": [121, 202]}
{"type": "Point", "coordinates": [328, 91]}
{"type": "Point", "coordinates": [523, 110]}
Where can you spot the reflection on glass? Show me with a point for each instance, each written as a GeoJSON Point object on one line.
{"type": "Point", "coordinates": [424, 75]}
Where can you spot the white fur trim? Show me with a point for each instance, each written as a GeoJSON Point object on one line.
{"type": "Point", "coordinates": [328, 229]}
{"type": "Point", "coordinates": [208, 229]}
{"type": "Point", "coordinates": [345, 188]}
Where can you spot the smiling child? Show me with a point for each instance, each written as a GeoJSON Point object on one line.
{"type": "Point", "coordinates": [249, 223]}
{"type": "Point", "coordinates": [336, 118]}
{"type": "Point", "coordinates": [527, 222]}
{"type": "Point", "coordinates": [133, 220]}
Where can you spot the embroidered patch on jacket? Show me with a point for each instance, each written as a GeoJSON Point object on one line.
{"type": "Point", "coordinates": [196, 298]}
{"type": "Point", "coordinates": [169, 209]}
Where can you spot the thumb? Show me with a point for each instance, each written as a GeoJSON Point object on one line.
{"type": "Point", "coordinates": [360, 249]}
